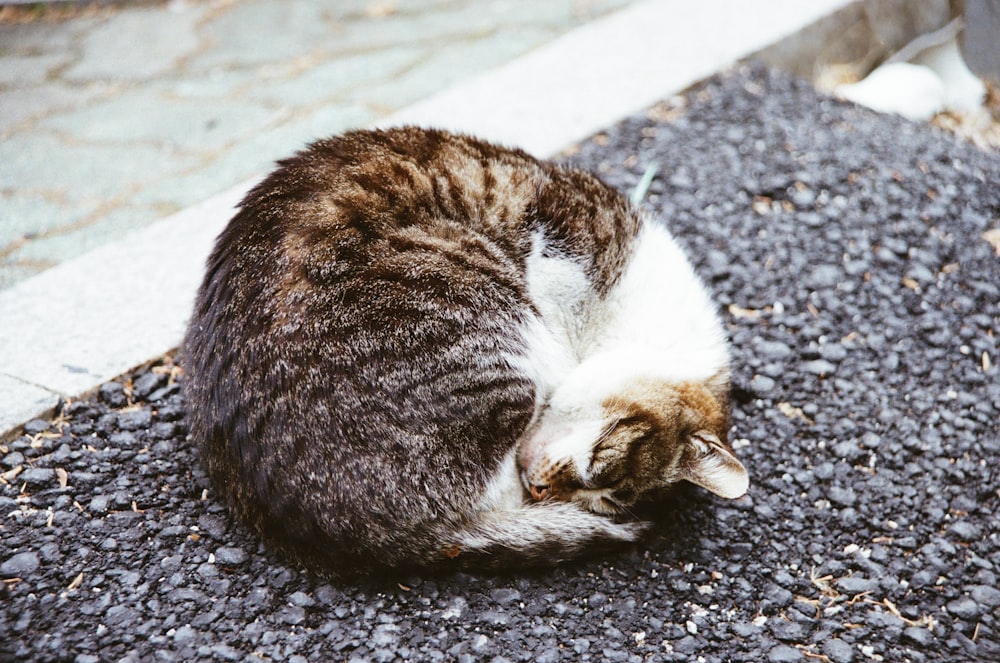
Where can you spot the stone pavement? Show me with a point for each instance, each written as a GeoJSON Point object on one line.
{"type": "Point", "coordinates": [113, 117]}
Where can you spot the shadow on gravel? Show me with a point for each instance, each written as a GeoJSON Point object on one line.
{"type": "Point", "coordinates": [855, 257]}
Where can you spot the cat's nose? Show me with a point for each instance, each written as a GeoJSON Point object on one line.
{"type": "Point", "coordinates": [539, 493]}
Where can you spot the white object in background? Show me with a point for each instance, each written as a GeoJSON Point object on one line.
{"type": "Point", "coordinates": [914, 91]}
{"type": "Point", "coordinates": [964, 91]}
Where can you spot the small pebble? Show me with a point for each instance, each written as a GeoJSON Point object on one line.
{"type": "Point", "coordinates": [838, 651]}
{"type": "Point", "coordinates": [918, 635]}
{"type": "Point", "coordinates": [761, 384]}
{"type": "Point", "coordinates": [985, 595]}
{"type": "Point", "coordinates": [230, 556]}
{"type": "Point", "coordinates": [301, 599]}
{"type": "Point", "coordinates": [856, 585]}
{"type": "Point", "coordinates": [20, 565]}
{"type": "Point", "coordinates": [113, 393]}
{"type": "Point", "coordinates": [146, 383]}
{"type": "Point", "coordinates": [965, 608]}
{"type": "Point", "coordinates": [36, 426]}
{"type": "Point", "coordinates": [784, 654]}
{"type": "Point", "coordinates": [841, 496]}
{"type": "Point", "coordinates": [819, 367]}
{"type": "Point", "coordinates": [964, 530]}
{"type": "Point", "coordinates": [99, 504]}
{"type": "Point", "coordinates": [506, 596]}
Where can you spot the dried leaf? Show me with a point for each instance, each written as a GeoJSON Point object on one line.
{"type": "Point", "coordinates": [789, 410]}
{"type": "Point", "coordinates": [793, 412]}
{"type": "Point", "coordinates": [993, 237]}
{"type": "Point", "coordinates": [741, 313]}
{"type": "Point", "coordinates": [77, 581]}
{"type": "Point", "coordinates": [62, 476]}
{"type": "Point", "coordinates": [667, 111]}
{"type": "Point", "coordinates": [11, 474]}
{"type": "Point", "coordinates": [924, 621]}
{"type": "Point", "coordinates": [761, 205]}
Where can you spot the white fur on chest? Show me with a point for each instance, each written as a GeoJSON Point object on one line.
{"type": "Point", "coordinates": [659, 319]}
{"type": "Point", "coordinates": [656, 322]}
{"type": "Point", "coordinates": [560, 292]}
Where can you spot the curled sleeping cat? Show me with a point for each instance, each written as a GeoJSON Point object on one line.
{"type": "Point", "coordinates": [417, 348]}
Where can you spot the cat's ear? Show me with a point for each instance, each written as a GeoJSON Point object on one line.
{"type": "Point", "coordinates": [707, 462]}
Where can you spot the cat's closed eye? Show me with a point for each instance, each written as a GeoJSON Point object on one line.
{"type": "Point", "coordinates": [610, 455]}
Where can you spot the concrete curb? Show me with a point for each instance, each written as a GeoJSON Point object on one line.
{"type": "Point", "coordinates": [130, 300]}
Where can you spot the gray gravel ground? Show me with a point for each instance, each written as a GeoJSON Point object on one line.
{"type": "Point", "coordinates": [862, 298]}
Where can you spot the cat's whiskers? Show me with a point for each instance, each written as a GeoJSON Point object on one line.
{"type": "Point", "coordinates": [620, 508]}
{"type": "Point", "coordinates": [630, 513]}
{"type": "Point", "coordinates": [605, 433]}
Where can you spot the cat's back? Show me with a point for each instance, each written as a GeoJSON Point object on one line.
{"type": "Point", "coordinates": [366, 184]}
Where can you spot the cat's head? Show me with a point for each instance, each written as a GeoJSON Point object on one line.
{"type": "Point", "coordinates": [609, 452]}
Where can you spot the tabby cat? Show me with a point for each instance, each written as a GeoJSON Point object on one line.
{"type": "Point", "coordinates": [414, 348]}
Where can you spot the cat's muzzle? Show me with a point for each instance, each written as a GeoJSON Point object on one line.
{"type": "Point", "coordinates": [538, 493]}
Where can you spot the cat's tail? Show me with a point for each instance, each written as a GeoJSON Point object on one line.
{"type": "Point", "coordinates": [537, 534]}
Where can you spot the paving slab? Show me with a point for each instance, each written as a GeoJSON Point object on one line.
{"type": "Point", "coordinates": [27, 213]}
{"type": "Point", "coordinates": [850, 255]}
{"type": "Point", "coordinates": [125, 48]}
{"type": "Point", "coordinates": [86, 174]}
{"type": "Point", "coordinates": [107, 228]}
{"type": "Point", "coordinates": [339, 79]}
{"type": "Point", "coordinates": [187, 126]}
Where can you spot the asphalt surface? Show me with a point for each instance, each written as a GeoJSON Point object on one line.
{"type": "Point", "coordinates": [851, 255]}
